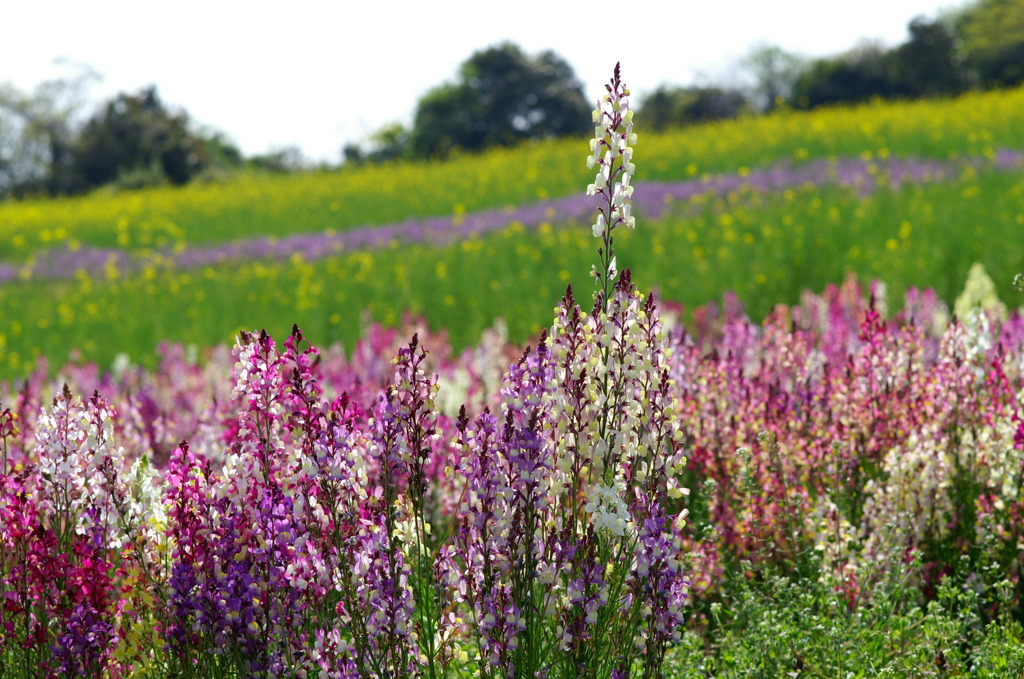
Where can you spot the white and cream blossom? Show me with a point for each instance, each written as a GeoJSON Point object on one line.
{"type": "Point", "coordinates": [612, 156]}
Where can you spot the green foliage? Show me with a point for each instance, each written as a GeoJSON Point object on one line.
{"type": "Point", "coordinates": [133, 141]}
{"type": "Point", "coordinates": [858, 75]}
{"type": "Point", "coordinates": [216, 151]}
{"type": "Point", "coordinates": [387, 144]}
{"type": "Point", "coordinates": [136, 136]}
{"type": "Point", "coordinates": [280, 161]}
{"type": "Point", "coordinates": [37, 132]}
{"type": "Point", "coordinates": [929, 64]}
{"type": "Point", "coordinates": [773, 620]}
{"type": "Point", "coordinates": [992, 32]}
{"type": "Point", "coordinates": [668, 107]}
{"type": "Point", "coordinates": [502, 97]}
{"type": "Point", "coordinates": [773, 72]}
{"type": "Point", "coordinates": [778, 626]}
{"type": "Point", "coordinates": [390, 142]}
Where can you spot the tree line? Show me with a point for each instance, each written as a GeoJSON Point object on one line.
{"type": "Point", "coordinates": [501, 96]}
{"type": "Point", "coordinates": [131, 141]}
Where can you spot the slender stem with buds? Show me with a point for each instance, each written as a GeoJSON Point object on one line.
{"type": "Point", "coordinates": [612, 154]}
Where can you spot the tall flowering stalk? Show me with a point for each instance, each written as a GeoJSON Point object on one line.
{"type": "Point", "coordinates": [8, 431]}
{"type": "Point", "coordinates": [246, 563]}
{"type": "Point", "coordinates": [404, 428]}
{"type": "Point", "coordinates": [632, 510]}
{"type": "Point", "coordinates": [612, 154]}
{"type": "Point", "coordinates": [64, 518]}
{"type": "Point", "coordinates": [569, 526]}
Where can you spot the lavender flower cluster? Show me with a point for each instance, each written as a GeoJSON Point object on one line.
{"type": "Point", "coordinates": [651, 199]}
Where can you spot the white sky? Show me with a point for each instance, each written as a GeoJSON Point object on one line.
{"type": "Point", "coordinates": [315, 73]}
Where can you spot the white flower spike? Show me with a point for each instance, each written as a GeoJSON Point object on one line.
{"type": "Point", "coordinates": [612, 154]}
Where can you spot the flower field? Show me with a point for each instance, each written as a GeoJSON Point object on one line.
{"type": "Point", "coordinates": [610, 482]}
{"type": "Point", "coordinates": [801, 236]}
{"type": "Point", "coordinates": [159, 220]}
{"type": "Point", "coordinates": [209, 260]}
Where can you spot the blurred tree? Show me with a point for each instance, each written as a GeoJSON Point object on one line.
{"type": "Point", "coordinates": [387, 144]}
{"type": "Point", "coordinates": [929, 64]}
{"type": "Point", "coordinates": [992, 34]}
{"type": "Point", "coordinates": [678, 106]}
{"type": "Point", "coordinates": [352, 154]}
{"type": "Point", "coordinates": [860, 74]}
{"type": "Point", "coordinates": [37, 135]}
{"type": "Point", "coordinates": [502, 97]}
{"type": "Point", "coordinates": [773, 72]}
{"type": "Point", "coordinates": [136, 138]}
{"type": "Point", "coordinates": [287, 159]}
{"type": "Point", "coordinates": [24, 158]}
{"type": "Point", "coordinates": [447, 117]}
{"type": "Point", "coordinates": [216, 150]}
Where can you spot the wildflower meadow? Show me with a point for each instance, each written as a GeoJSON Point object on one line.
{"type": "Point", "coordinates": [631, 489]}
